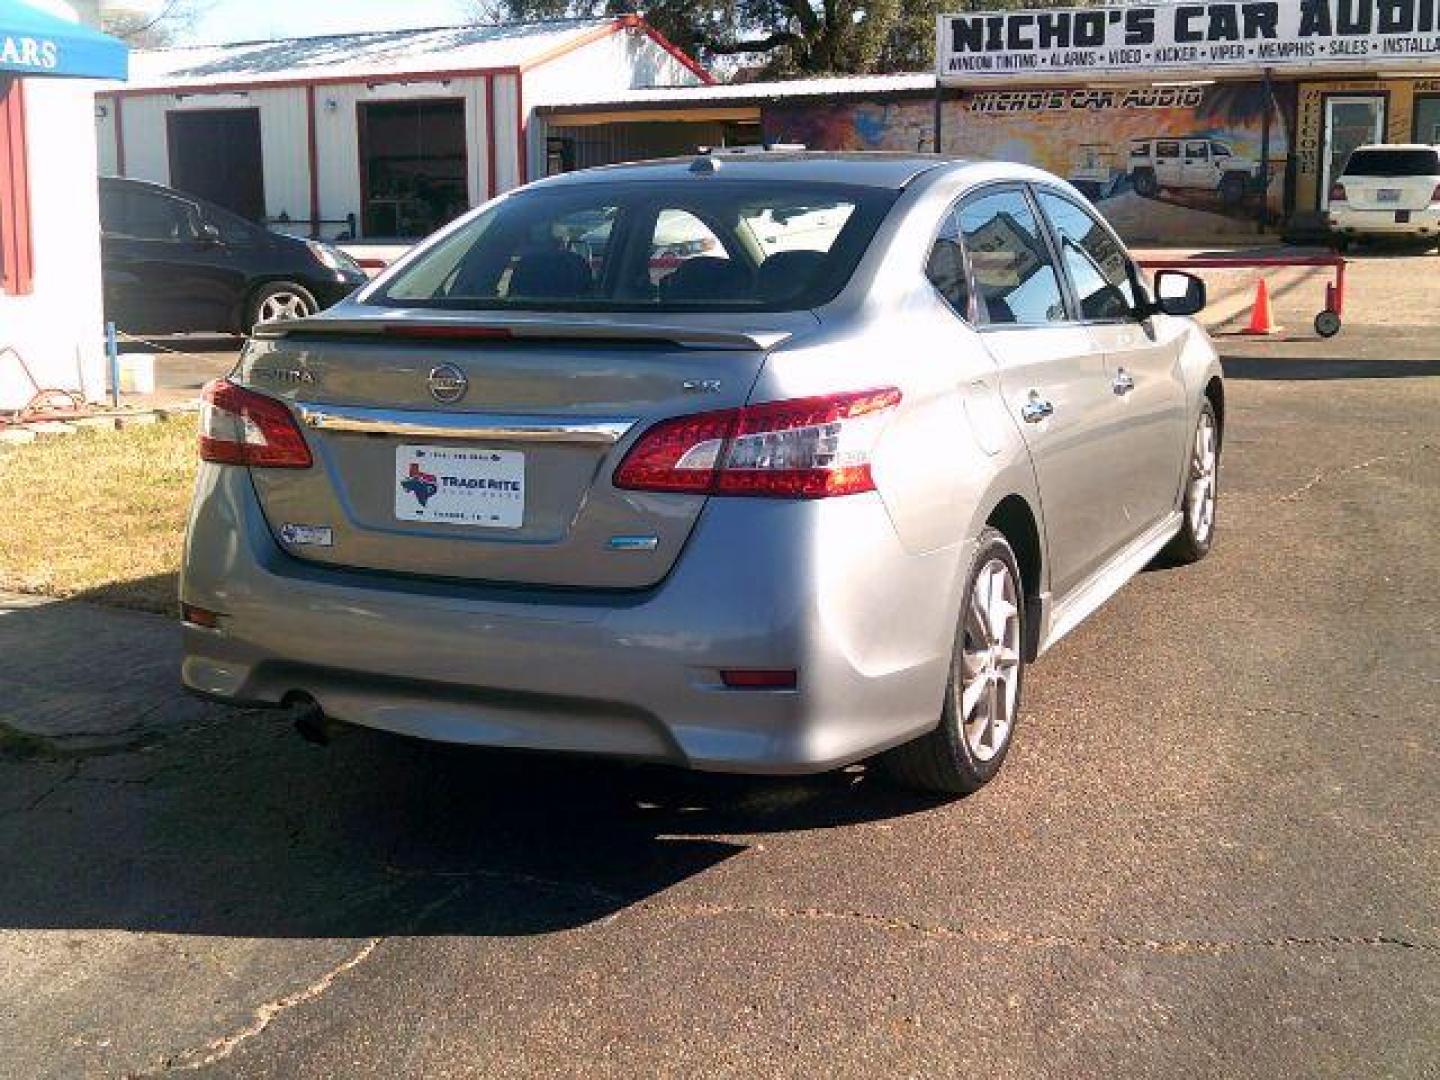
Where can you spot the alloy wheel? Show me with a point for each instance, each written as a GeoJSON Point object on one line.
{"type": "Point", "coordinates": [990, 661]}
{"type": "Point", "coordinates": [1203, 462]}
{"type": "Point", "coordinates": [282, 306]}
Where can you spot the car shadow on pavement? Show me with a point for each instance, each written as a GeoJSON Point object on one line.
{"type": "Point", "coordinates": [1288, 369]}
{"type": "Point", "coordinates": [225, 822]}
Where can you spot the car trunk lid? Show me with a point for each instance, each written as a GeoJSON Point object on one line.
{"type": "Point", "coordinates": [483, 448]}
{"type": "Point", "coordinates": [1389, 192]}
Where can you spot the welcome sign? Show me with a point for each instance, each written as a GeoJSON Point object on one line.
{"type": "Point", "coordinates": [1184, 37]}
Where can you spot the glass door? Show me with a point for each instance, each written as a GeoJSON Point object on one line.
{"type": "Point", "coordinates": [1350, 122]}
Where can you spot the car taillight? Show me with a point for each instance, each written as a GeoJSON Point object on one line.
{"type": "Point", "coordinates": [808, 448]}
{"type": "Point", "coordinates": [241, 427]}
{"type": "Point", "coordinates": [1337, 193]}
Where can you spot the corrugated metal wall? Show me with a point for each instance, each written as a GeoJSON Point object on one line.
{"type": "Point", "coordinates": [610, 144]}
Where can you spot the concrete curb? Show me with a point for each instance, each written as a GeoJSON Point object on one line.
{"type": "Point", "coordinates": [24, 434]}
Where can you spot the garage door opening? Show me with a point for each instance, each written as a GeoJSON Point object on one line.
{"type": "Point", "coordinates": [413, 166]}
{"type": "Point", "coordinates": [215, 154]}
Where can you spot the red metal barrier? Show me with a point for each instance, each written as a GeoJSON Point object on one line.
{"type": "Point", "coordinates": [1327, 323]}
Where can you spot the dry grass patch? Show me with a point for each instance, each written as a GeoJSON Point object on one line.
{"type": "Point", "coordinates": [99, 514]}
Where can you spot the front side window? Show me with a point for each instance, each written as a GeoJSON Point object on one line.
{"type": "Point", "coordinates": [234, 230]}
{"type": "Point", "coordinates": [1094, 260]}
{"type": "Point", "coordinates": [1197, 151]}
{"type": "Point", "coordinates": [1015, 279]}
{"type": "Point", "coordinates": [703, 244]}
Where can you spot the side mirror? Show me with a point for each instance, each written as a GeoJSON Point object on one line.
{"type": "Point", "coordinates": [210, 234]}
{"type": "Point", "coordinates": [1179, 293]}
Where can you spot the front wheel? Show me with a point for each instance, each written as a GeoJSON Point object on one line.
{"type": "Point", "coordinates": [279, 301]}
{"type": "Point", "coordinates": [982, 697]}
{"type": "Point", "coordinates": [1197, 533]}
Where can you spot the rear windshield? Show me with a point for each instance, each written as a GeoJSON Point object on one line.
{"type": "Point", "coordinates": [1393, 163]}
{"type": "Point", "coordinates": [705, 244]}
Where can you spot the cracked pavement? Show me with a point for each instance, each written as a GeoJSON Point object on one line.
{"type": "Point", "coordinates": [1215, 850]}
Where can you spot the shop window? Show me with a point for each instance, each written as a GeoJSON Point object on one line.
{"type": "Point", "coordinates": [16, 254]}
{"type": "Point", "coordinates": [1427, 119]}
{"type": "Point", "coordinates": [413, 166]}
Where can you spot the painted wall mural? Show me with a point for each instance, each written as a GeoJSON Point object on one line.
{"type": "Point", "coordinates": [1161, 162]}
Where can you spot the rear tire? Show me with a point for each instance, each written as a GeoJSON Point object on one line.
{"type": "Point", "coordinates": [1146, 186]}
{"type": "Point", "coordinates": [982, 696]}
{"type": "Point", "coordinates": [1202, 490]}
{"type": "Point", "coordinates": [279, 301]}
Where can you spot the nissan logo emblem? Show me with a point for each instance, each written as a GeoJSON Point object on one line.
{"type": "Point", "coordinates": [447, 384]}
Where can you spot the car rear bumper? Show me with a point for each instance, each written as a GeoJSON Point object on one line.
{"type": "Point", "coordinates": [1383, 222]}
{"type": "Point", "coordinates": [823, 588]}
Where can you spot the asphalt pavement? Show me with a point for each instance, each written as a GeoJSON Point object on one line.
{"type": "Point", "coordinates": [1214, 851]}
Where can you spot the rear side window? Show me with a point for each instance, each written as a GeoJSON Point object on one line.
{"type": "Point", "coordinates": [1393, 163]}
{"type": "Point", "coordinates": [144, 215]}
{"type": "Point", "coordinates": [946, 267]}
{"type": "Point", "coordinates": [1015, 279]}
{"type": "Point", "coordinates": [702, 244]}
{"type": "Point", "coordinates": [1167, 149]}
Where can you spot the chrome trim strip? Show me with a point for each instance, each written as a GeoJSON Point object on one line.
{"type": "Point", "coordinates": [491, 427]}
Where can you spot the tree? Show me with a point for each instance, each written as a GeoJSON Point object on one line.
{"type": "Point", "coordinates": [151, 26]}
{"type": "Point", "coordinates": [780, 37]}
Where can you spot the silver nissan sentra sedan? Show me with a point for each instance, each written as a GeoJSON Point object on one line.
{"type": "Point", "coordinates": [761, 462]}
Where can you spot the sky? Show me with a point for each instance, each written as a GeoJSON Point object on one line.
{"type": "Point", "coordinates": [248, 20]}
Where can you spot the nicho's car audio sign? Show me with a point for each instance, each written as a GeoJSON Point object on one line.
{"type": "Point", "coordinates": [1183, 37]}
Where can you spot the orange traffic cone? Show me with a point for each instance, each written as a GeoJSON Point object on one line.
{"type": "Point", "coordinates": [1262, 319]}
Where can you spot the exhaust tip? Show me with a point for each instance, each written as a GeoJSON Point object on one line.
{"type": "Point", "coordinates": [310, 721]}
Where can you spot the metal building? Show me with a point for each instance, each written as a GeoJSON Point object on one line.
{"type": "Point", "coordinates": [374, 136]}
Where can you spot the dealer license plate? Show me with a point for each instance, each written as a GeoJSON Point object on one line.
{"type": "Point", "coordinates": [1388, 194]}
{"type": "Point", "coordinates": [460, 485]}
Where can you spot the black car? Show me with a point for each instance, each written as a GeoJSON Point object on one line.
{"type": "Point", "coordinates": [174, 264]}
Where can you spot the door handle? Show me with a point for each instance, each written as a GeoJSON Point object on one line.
{"type": "Point", "coordinates": [1036, 409]}
{"type": "Point", "coordinates": [1124, 383]}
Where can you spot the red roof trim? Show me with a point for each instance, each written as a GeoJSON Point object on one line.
{"type": "Point", "coordinates": [689, 62]}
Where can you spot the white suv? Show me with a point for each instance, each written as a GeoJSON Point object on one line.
{"type": "Point", "coordinates": [1197, 164]}
{"type": "Point", "coordinates": [1387, 191]}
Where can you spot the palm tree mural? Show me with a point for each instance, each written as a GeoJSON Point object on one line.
{"type": "Point", "coordinates": [1242, 105]}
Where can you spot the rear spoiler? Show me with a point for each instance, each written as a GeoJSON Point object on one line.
{"type": "Point", "coordinates": [454, 331]}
